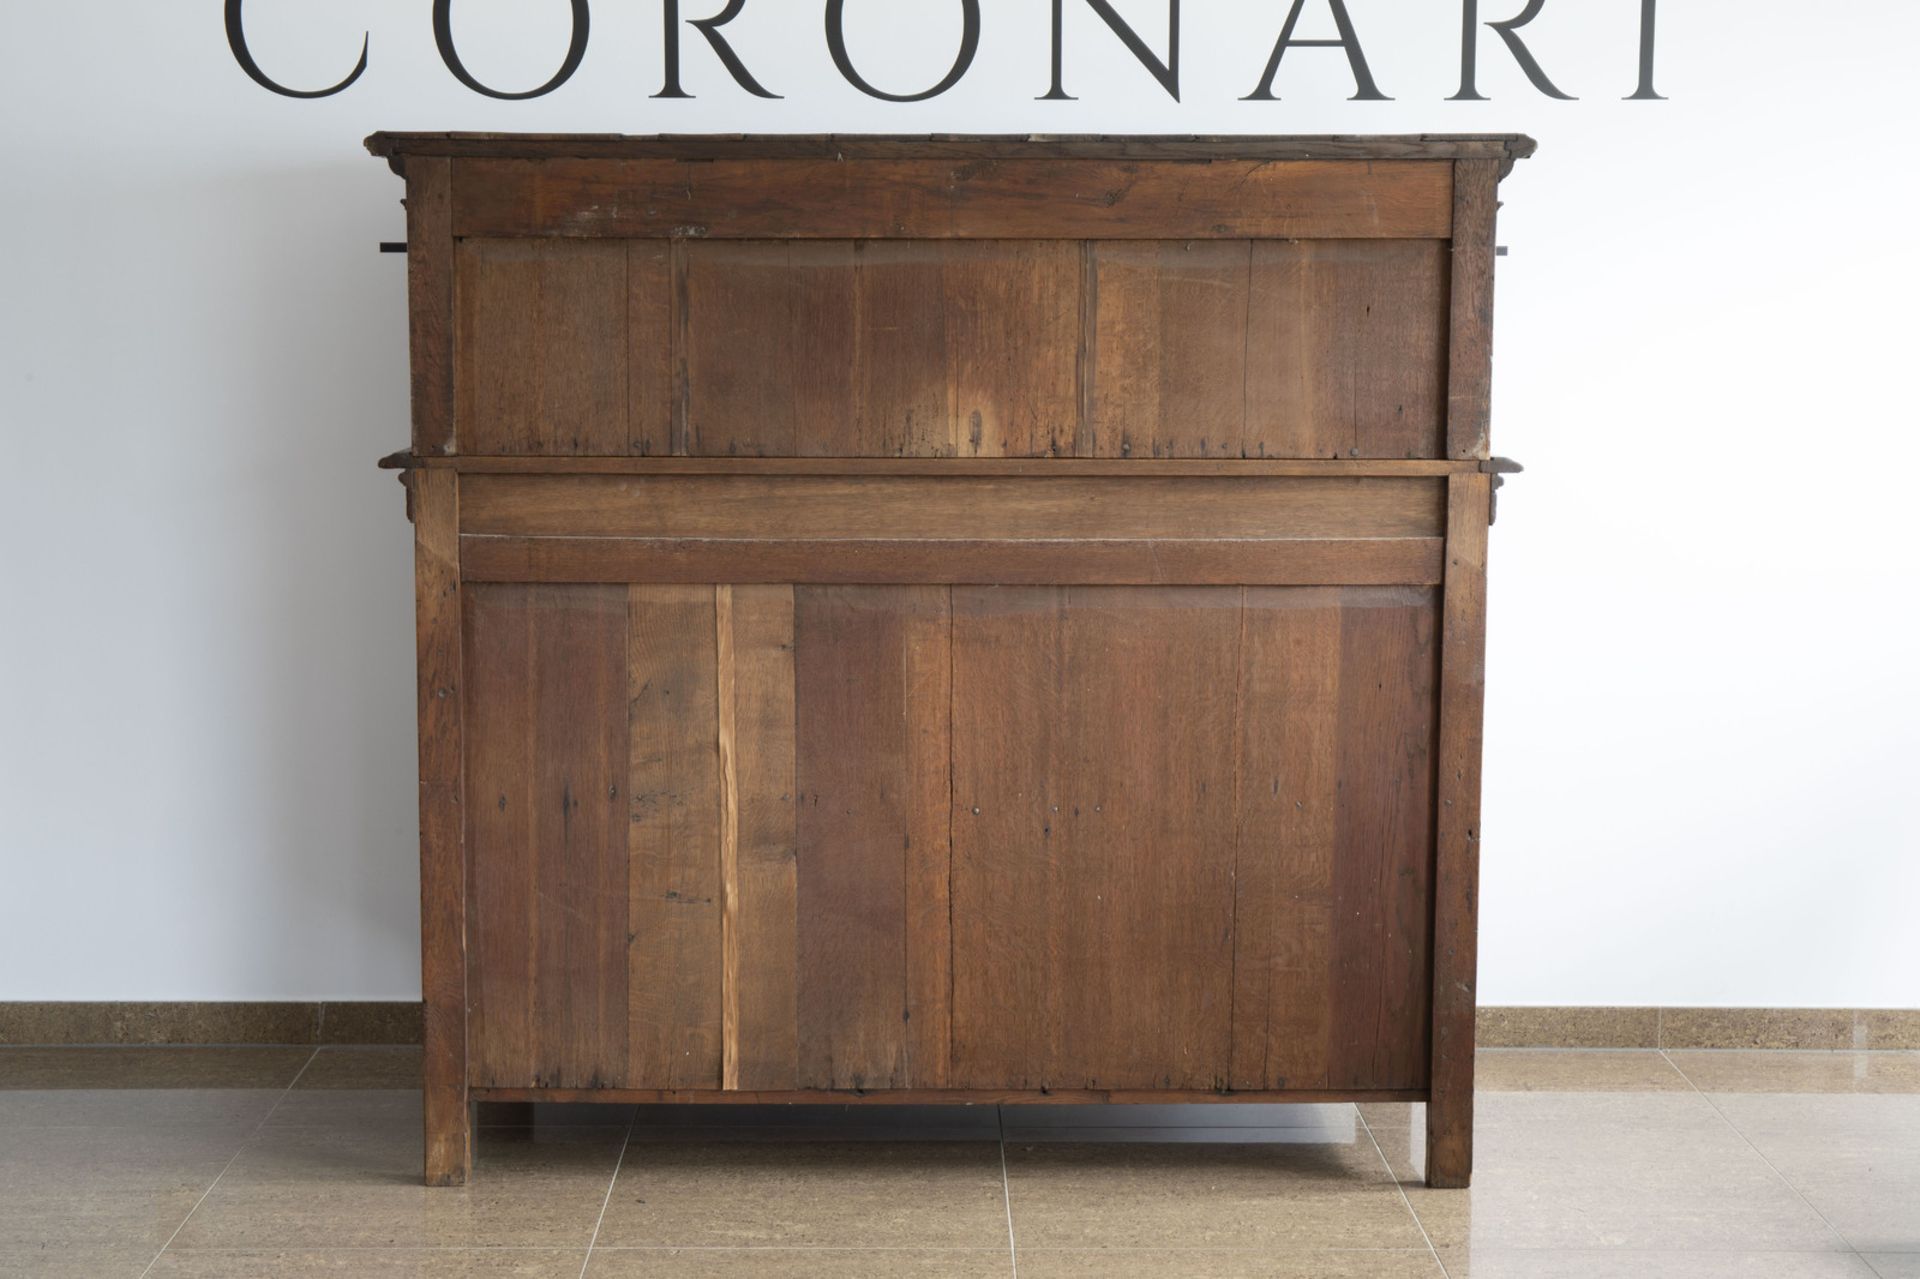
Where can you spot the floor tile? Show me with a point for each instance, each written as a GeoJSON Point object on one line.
{"type": "Point", "coordinates": [93, 1068]}
{"type": "Point", "coordinates": [807, 1194]}
{"type": "Point", "coordinates": [1895, 1265]}
{"type": "Point", "coordinates": [371, 1263]}
{"type": "Point", "coordinates": [113, 1187]}
{"type": "Point", "coordinates": [358, 1185]}
{"type": "Point", "coordinates": [1497, 1263]}
{"type": "Point", "coordinates": [1277, 1197]}
{"type": "Point", "coordinates": [1542, 1070]}
{"type": "Point", "coordinates": [1855, 1158]}
{"type": "Point", "coordinates": [1199, 1115]}
{"type": "Point", "coordinates": [1228, 1264]}
{"type": "Point", "coordinates": [236, 1108]}
{"type": "Point", "coordinates": [799, 1263]}
{"type": "Point", "coordinates": [836, 1123]}
{"type": "Point", "coordinates": [1653, 1171]}
{"type": "Point", "coordinates": [75, 1260]}
{"type": "Point", "coordinates": [362, 1068]}
{"type": "Point", "coordinates": [1798, 1072]}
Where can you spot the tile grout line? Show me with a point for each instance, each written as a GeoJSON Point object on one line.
{"type": "Point", "coordinates": [1771, 1166]}
{"type": "Point", "coordinates": [1418, 1224]}
{"type": "Point", "coordinates": [1006, 1191]}
{"type": "Point", "coordinates": [237, 1152]}
{"type": "Point", "coordinates": [612, 1181]}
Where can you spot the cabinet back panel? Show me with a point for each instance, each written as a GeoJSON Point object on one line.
{"type": "Point", "coordinates": [1220, 348]}
{"type": "Point", "coordinates": [881, 837]}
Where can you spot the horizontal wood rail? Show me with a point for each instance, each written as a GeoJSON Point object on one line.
{"type": "Point", "coordinates": [938, 1096]}
{"type": "Point", "coordinates": [1379, 561]}
{"type": "Point", "coordinates": [1127, 468]}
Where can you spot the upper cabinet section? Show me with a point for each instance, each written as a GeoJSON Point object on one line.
{"type": "Point", "coordinates": [1144, 298]}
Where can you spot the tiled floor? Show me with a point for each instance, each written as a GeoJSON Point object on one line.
{"type": "Point", "coordinates": [1650, 1165]}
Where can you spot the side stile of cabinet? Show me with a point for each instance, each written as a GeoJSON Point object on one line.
{"type": "Point", "coordinates": [438, 610]}
{"type": "Point", "coordinates": [1462, 681]}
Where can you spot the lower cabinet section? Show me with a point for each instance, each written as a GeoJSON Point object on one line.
{"type": "Point", "coordinates": [954, 838]}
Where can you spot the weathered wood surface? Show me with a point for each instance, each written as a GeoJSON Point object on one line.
{"type": "Point", "coordinates": [827, 199]}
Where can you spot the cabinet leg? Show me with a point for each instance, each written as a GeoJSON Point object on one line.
{"type": "Point", "coordinates": [1450, 1141]}
{"type": "Point", "coordinates": [449, 1133]}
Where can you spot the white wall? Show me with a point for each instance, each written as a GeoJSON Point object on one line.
{"type": "Point", "coordinates": [1701, 739]}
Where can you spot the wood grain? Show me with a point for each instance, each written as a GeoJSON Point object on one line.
{"type": "Point", "coordinates": [1476, 203]}
{"type": "Point", "coordinates": [548, 761]}
{"type": "Point", "coordinates": [443, 855]}
{"type": "Point", "coordinates": [909, 508]}
{"type": "Point", "coordinates": [1457, 837]}
{"type": "Point", "coordinates": [542, 358]}
{"type": "Point", "coordinates": [430, 303]}
{"type": "Point", "coordinates": [674, 839]}
{"type": "Point", "coordinates": [1111, 562]}
{"type": "Point", "coordinates": [870, 670]}
{"type": "Point", "coordinates": [760, 661]}
{"type": "Point", "coordinates": [940, 199]}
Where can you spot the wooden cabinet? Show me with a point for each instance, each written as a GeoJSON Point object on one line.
{"type": "Point", "coordinates": [942, 619]}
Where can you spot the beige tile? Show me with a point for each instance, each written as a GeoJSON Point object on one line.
{"type": "Point", "coordinates": [335, 1067]}
{"type": "Point", "coordinates": [111, 1187]}
{"type": "Point", "coordinates": [1280, 1197]}
{"type": "Point", "coordinates": [1895, 1265]}
{"type": "Point", "coordinates": [97, 1068]}
{"type": "Point", "coordinates": [74, 1260]}
{"type": "Point", "coordinates": [853, 1122]}
{"type": "Point", "coordinates": [237, 1109]}
{"type": "Point", "coordinates": [370, 1023]}
{"type": "Point", "coordinates": [1509, 1263]}
{"type": "Point", "coordinates": [1887, 1029]}
{"type": "Point", "coordinates": [1569, 1171]}
{"type": "Point", "coordinates": [670, 1193]}
{"type": "Point", "coordinates": [1828, 1028]}
{"type": "Point", "coordinates": [1591, 1070]}
{"type": "Point", "coordinates": [1229, 1264]}
{"type": "Point", "coordinates": [373, 1263]}
{"type": "Point", "coordinates": [357, 1184]}
{"type": "Point", "coordinates": [1855, 1158]}
{"type": "Point", "coordinates": [800, 1263]}
{"type": "Point", "coordinates": [1568, 1028]}
{"type": "Point", "coordinates": [1797, 1072]}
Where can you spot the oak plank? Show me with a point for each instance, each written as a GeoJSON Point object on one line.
{"type": "Point", "coordinates": [674, 834]}
{"type": "Point", "coordinates": [651, 352]}
{"type": "Point", "coordinates": [430, 320]}
{"type": "Point", "coordinates": [1476, 207]}
{"type": "Point", "coordinates": [442, 695]}
{"type": "Point", "coordinates": [758, 666]}
{"type": "Point", "coordinates": [1457, 833]}
{"type": "Point", "coordinates": [794, 199]}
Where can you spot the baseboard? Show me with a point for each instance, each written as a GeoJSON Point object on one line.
{"type": "Point", "coordinates": [301, 1022]}
{"type": "Point", "coordinates": [341, 1022]}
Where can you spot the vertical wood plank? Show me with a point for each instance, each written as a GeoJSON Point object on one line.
{"type": "Point", "coordinates": [1008, 675]}
{"type": "Point", "coordinates": [1383, 838]}
{"type": "Point", "coordinates": [675, 841]}
{"type": "Point", "coordinates": [757, 669]}
{"type": "Point", "coordinates": [548, 766]}
{"type": "Point", "coordinates": [1013, 332]}
{"type": "Point", "coordinates": [581, 757]}
{"type": "Point", "coordinates": [927, 689]}
{"type": "Point", "coordinates": [543, 347]}
{"type": "Point", "coordinates": [430, 291]}
{"type": "Point", "coordinates": [1347, 349]}
{"type": "Point", "coordinates": [1289, 690]}
{"type": "Point", "coordinates": [1168, 356]}
{"type": "Point", "coordinates": [443, 867]}
{"type": "Point", "coordinates": [500, 845]}
{"type": "Point", "coordinates": [1476, 205]}
{"type": "Point", "coordinates": [865, 679]}
{"type": "Point", "coordinates": [651, 350]}
{"type": "Point", "coordinates": [1457, 835]}
{"type": "Point", "coordinates": [899, 373]}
